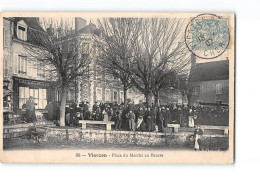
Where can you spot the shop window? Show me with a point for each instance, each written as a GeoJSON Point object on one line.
{"type": "Point", "coordinates": [39, 96]}
{"type": "Point", "coordinates": [23, 96]}
{"type": "Point", "coordinates": [22, 65]}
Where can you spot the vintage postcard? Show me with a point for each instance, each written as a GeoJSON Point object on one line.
{"type": "Point", "coordinates": [117, 87]}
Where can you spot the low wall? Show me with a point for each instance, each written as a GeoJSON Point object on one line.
{"type": "Point", "coordinates": [180, 140]}
{"type": "Point", "coordinates": [16, 130]}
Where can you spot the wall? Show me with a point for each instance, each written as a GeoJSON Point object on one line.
{"type": "Point", "coordinates": [183, 140]}
{"type": "Point", "coordinates": [208, 94]}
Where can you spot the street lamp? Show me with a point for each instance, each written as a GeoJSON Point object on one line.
{"type": "Point", "coordinates": [6, 84]}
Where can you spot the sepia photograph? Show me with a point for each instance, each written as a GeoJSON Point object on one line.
{"type": "Point", "coordinates": [118, 87]}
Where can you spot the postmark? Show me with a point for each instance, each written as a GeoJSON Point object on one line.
{"type": "Point", "coordinates": [207, 36]}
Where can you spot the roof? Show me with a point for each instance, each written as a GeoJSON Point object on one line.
{"type": "Point", "coordinates": [36, 35]}
{"type": "Point", "coordinates": [30, 22]}
{"type": "Point", "coordinates": [210, 71]}
{"type": "Point", "coordinates": [90, 29]}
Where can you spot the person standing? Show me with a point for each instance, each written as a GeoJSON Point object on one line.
{"type": "Point", "coordinates": [168, 118]}
{"type": "Point", "coordinates": [30, 110]}
{"type": "Point", "coordinates": [191, 118]}
{"type": "Point", "coordinates": [197, 135]}
{"type": "Point", "coordinates": [150, 119]}
{"type": "Point", "coordinates": [160, 120]}
{"type": "Point", "coordinates": [86, 112]}
{"type": "Point", "coordinates": [119, 118]}
{"type": "Point", "coordinates": [131, 118]}
{"type": "Point", "coordinates": [49, 109]}
{"type": "Point", "coordinates": [94, 108]}
{"type": "Point", "coordinates": [105, 115]}
{"type": "Point", "coordinates": [140, 120]}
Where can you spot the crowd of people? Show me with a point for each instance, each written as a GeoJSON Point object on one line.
{"type": "Point", "coordinates": [134, 116]}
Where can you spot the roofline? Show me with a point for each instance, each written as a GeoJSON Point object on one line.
{"type": "Point", "coordinates": [27, 43]}
{"type": "Point", "coordinates": [206, 80]}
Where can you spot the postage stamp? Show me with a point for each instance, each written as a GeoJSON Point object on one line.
{"type": "Point", "coordinates": [207, 36]}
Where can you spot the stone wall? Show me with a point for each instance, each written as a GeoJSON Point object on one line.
{"type": "Point", "coordinates": [178, 140]}
{"type": "Point", "coordinates": [17, 130]}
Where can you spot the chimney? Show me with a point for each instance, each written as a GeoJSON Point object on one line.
{"type": "Point", "coordinates": [37, 20]}
{"type": "Point", "coordinates": [79, 23]}
{"type": "Point", "coordinates": [50, 30]}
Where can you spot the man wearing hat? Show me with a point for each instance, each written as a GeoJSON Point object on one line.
{"type": "Point", "coordinates": [30, 110]}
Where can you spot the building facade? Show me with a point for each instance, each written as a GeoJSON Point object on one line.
{"type": "Point", "coordinates": [209, 83]}
{"type": "Point", "coordinates": [27, 76]}
{"type": "Point", "coordinates": [96, 86]}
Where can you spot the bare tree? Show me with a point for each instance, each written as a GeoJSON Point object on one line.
{"type": "Point", "coordinates": [66, 54]}
{"type": "Point", "coordinates": [116, 48]}
{"type": "Point", "coordinates": [160, 55]}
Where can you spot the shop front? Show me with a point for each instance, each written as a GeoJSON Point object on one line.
{"type": "Point", "coordinates": [43, 92]}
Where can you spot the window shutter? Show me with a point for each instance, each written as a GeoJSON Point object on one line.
{"type": "Point", "coordinates": [15, 63]}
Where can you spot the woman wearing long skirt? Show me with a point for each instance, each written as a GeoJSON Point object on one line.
{"type": "Point", "coordinates": [197, 135]}
{"type": "Point", "coordinates": [191, 118]}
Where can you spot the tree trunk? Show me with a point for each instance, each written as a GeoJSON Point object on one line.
{"type": "Point", "coordinates": [63, 105]}
{"type": "Point", "coordinates": [156, 100]}
{"type": "Point", "coordinates": [125, 96]}
{"type": "Point", "coordinates": [189, 98]}
{"type": "Point", "coordinates": [149, 97]}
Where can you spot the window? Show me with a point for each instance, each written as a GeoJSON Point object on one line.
{"type": "Point", "coordinates": [23, 96]}
{"type": "Point", "coordinates": [98, 73]}
{"type": "Point", "coordinates": [115, 96]}
{"type": "Point", "coordinates": [22, 65]}
{"type": "Point", "coordinates": [71, 94]}
{"type": "Point", "coordinates": [6, 38]}
{"type": "Point", "coordinates": [57, 95]}
{"type": "Point", "coordinates": [21, 32]}
{"type": "Point", "coordinates": [39, 96]}
{"type": "Point", "coordinates": [98, 94]}
{"type": "Point", "coordinates": [107, 95]}
{"type": "Point", "coordinates": [40, 68]}
{"type": "Point", "coordinates": [197, 90]}
{"type": "Point", "coordinates": [5, 65]}
{"type": "Point", "coordinates": [218, 88]}
{"type": "Point", "coordinates": [15, 63]}
{"type": "Point", "coordinates": [31, 67]}
{"type": "Point", "coordinates": [85, 48]}
{"type": "Point", "coordinates": [121, 96]}
{"type": "Point", "coordinates": [42, 98]}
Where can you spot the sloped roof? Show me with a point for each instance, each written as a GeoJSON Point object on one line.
{"type": "Point", "coordinates": [210, 71]}
{"type": "Point", "coordinates": [31, 22]}
{"type": "Point", "coordinates": [36, 35]}
{"type": "Point", "coordinates": [90, 29]}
